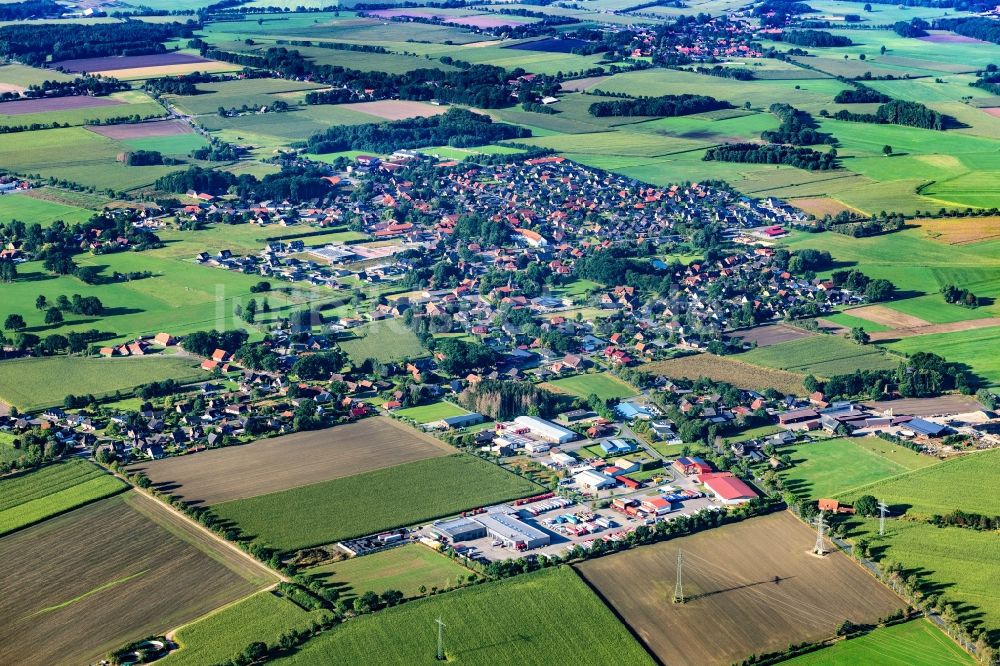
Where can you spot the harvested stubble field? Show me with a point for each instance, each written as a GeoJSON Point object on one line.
{"type": "Point", "coordinates": [725, 369]}
{"type": "Point", "coordinates": [820, 206]}
{"type": "Point", "coordinates": [751, 587]}
{"type": "Point", "coordinates": [960, 230]}
{"type": "Point", "coordinates": [119, 569]}
{"type": "Point", "coordinates": [46, 104]}
{"type": "Point", "coordinates": [546, 617]}
{"type": "Point", "coordinates": [373, 502]}
{"type": "Point", "coordinates": [880, 314]}
{"type": "Point", "coordinates": [771, 334]}
{"type": "Point", "coordinates": [396, 109]}
{"type": "Point", "coordinates": [143, 130]}
{"type": "Point", "coordinates": [942, 405]}
{"type": "Point", "coordinates": [31, 497]}
{"type": "Point", "coordinates": [300, 459]}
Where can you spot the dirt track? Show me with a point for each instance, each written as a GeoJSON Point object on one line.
{"type": "Point", "coordinates": [270, 465]}
{"type": "Point", "coordinates": [752, 587]}
{"type": "Point", "coordinates": [967, 325]}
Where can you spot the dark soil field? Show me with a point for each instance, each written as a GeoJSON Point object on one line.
{"type": "Point", "coordinates": [89, 581]}
{"type": "Point", "coordinates": [771, 334]}
{"type": "Point", "coordinates": [551, 45]}
{"type": "Point", "coordinates": [272, 465]}
{"type": "Point", "coordinates": [126, 62]}
{"type": "Point", "coordinates": [752, 587]}
{"type": "Point", "coordinates": [143, 130]}
{"type": "Point", "coordinates": [23, 106]}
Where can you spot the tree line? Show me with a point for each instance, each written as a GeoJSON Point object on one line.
{"type": "Point", "coordinates": [899, 112]}
{"type": "Point", "coordinates": [860, 94]}
{"type": "Point", "coordinates": [456, 127]}
{"type": "Point", "coordinates": [752, 153]}
{"type": "Point", "coordinates": [34, 44]}
{"type": "Point", "coordinates": [665, 105]}
{"type": "Point", "coordinates": [811, 38]}
{"type": "Point", "coordinates": [292, 182]}
{"type": "Point", "coordinates": [797, 128]}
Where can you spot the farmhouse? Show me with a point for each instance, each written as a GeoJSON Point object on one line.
{"type": "Point", "coordinates": [727, 488]}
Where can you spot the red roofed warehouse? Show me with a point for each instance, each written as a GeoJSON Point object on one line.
{"type": "Point", "coordinates": [729, 490]}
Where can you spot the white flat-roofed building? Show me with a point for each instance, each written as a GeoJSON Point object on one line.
{"type": "Point", "coordinates": [594, 480]}
{"type": "Point", "coordinates": [545, 429]}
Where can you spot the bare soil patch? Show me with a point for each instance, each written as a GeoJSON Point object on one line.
{"type": "Point", "coordinates": [967, 325]}
{"type": "Point", "coordinates": [23, 106]}
{"type": "Point", "coordinates": [396, 109]}
{"type": "Point", "coordinates": [576, 85]}
{"type": "Point", "coordinates": [886, 316]}
{"type": "Point", "coordinates": [86, 582]}
{"type": "Point", "coordinates": [943, 405]}
{"type": "Point", "coordinates": [820, 206]}
{"type": "Point", "coordinates": [143, 130]}
{"type": "Point", "coordinates": [832, 328]}
{"type": "Point", "coordinates": [962, 230]}
{"type": "Point", "coordinates": [751, 587]}
{"type": "Point", "coordinates": [945, 37]}
{"type": "Point", "coordinates": [723, 369]}
{"type": "Point", "coordinates": [127, 62]}
{"type": "Point", "coordinates": [10, 87]}
{"type": "Point", "coordinates": [300, 459]}
{"type": "Point", "coordinates": [771, 334]}
{"type": "Point", "coordinates": [992, 110]}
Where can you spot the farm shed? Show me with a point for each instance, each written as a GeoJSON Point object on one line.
{"type": "Point", "coordinates": [924, 428]}
{"type": "Point", "coordinates": [729, 490]}
{"type": "Point", "coordinates": [460, 421]}
{"type": "Point", "coordinates": [545, 429]}
{"type": "Point", "coordinates": [797, 416]}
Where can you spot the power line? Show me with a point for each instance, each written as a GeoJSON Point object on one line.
{"type": "Point", "coordinates": [441, 625]}
{"type": "Point", "coordinates": [882, 509]}
{"type": "Point", "coordinates": [820, 548]}
{"type": "Point", "coordinates": [679, 587]}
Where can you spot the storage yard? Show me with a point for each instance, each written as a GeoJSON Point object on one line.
{"type": "Point", "coordinates": [754, 583]}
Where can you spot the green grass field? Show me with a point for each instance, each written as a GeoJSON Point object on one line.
{"type": "Point", "coordinates": [432, 412]}
{"type": "Point", "coordinates": [820, 355]}
{"type": "Point", "coordinates": [830, 467]}
{"type": "Point", "coordinates": [34, 496]}
{"type": "Point", "coordinates": [30, 211]}
{"type": "Point", "coordinates": [850, 321]}
{"type": "Point", "coordinates": [540, 618]}
{"type": "Point", "coordinates": [35, 383]}
{"type": "Point", "coordinates": [914, 643]}
{"type": "Point", "coordinates": [967, 483]}
{"type": "Point", "coordinates": [405, 568]}
{"type": "Point", "coordinates": [386, 341]}
{"type": "Point", "coordinates": [959, 563]}
{"type": "Point", "coordinates": [601, 384]}
{"type": "Point", "coordinates": [221, 635]}
{"type": "Point", "coordinates": [373, 502]}
{"type": "Point", "coordinates": [973, 348]}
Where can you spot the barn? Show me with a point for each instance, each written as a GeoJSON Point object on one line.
{"type": "Point", "coordinates": [728, 489]}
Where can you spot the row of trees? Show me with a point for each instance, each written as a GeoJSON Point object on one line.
{"type": "Point", "coordinates": [37, 43]}
{"type": "Point", "coordinates": [295, 183]}
{"type": "Point", "coordinates": [861, 94]}
{"type": "Point", "coordinates": [859, 226]}
{"type": "Point", "coordinates": [899, 112]}
{"type": "Point", "coordinates": [753, 153]}
{"type": "Point", "coordinates": [456, 127]}
{"type": "Point", "coordinates": [811, 38]}
{"type": "Point", "coordinates": [665, 105]}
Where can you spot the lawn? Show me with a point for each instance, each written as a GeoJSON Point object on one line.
{"type": "Point", "coordinates": [820, 355]}
{"type": "Point", "coordinates": [373, 502]}
{"type": "Point", "coordinates": [601, 384]}
{"type": "Point", "coordinates": [405, 568]}
{"type": "Point", "coordinates": [548, 617]}
{"type": "Point", "coordinates": [386, 341]}
{"type": "Point", "coordinates": [967, 483]}
{"type": "Point", "coordinates": [35, 383]}
{"type": "Point", "coordinates": [850, 321]}
{"type": "Point", "coordinates": [914, 643]}
{"type": "Point", "coordinates": [432, 412]}
{"type": "Point", "coordinates": [30, 211]}
{"type": "Point", "coordinates": [33, 496]}
{"type": "Point", "coordinates": [959, 563]}
{"type": "Point", "coordinates": [214, 639]}
{"type": "Point", "coordinates": [834, 466]}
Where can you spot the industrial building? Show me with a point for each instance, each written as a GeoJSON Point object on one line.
{"type": "Point", "coordinates": [594, 480]}
{"type": "Point", "coordinates": [727, 488]}
{"type": "Point", "coordinates": [512, 531]}
{"type": "Point", "coordinates": [500, 522]}
{"type": "Point", "coordinates": [459, 529]}
{"type": "Point", "coordinates": [543, 429]}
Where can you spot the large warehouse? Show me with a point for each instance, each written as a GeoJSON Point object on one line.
{"type": "Point", "coordinates": [545, 429]}
{"type": "Point", "coordinates": [513, 532]}
{"type": "Point", "coordinates": [459, 529]}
